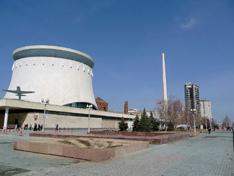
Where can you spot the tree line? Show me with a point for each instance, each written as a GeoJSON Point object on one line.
{"type": "Point", "coordinates": [145, 124]}
{"type": "Point", "coordinates": [176, 114]}
{"type": "Point", "coordinates": [173, 115]}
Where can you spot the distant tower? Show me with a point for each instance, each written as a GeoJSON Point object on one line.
{"type": "Point", "coordinates": [192, 100]}
{"type": "Point", "coordinates": [164, 83]}
{"type": "Point", "coordinates": [126, 107]}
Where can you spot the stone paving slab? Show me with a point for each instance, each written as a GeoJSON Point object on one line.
{"type": "Point", "coordinates": [203, 155]}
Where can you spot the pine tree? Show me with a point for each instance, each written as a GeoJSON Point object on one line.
{"type": "Point", "coordinates": [144, 124]}
{"type": "Point", "coordinates": [153, 122]}
{"type": "Point", "coordinates": [135, 123]}
{"type": "Point", "coordinates": [123, 126]}
{"type": "Point", "coordinates": [170, 126]}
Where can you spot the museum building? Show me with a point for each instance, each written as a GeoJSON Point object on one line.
{"type": "Point", "coordinates": [64, 77]}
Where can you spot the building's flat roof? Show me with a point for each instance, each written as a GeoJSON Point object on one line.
{"type": "Point", "coordinates": [52, 51]}
{"type": "Point", "coordinates": [21, 104]}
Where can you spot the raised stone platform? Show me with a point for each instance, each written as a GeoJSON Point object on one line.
{"type": "Point", "coordinates": [123, 133]}
{"type": "Point", "coordinates": [91, 149]}
{"type": "Point", "coordinates": [153, 138]}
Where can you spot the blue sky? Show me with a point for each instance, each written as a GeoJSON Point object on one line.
{"type": "Point", "coordinates": [126, 39]}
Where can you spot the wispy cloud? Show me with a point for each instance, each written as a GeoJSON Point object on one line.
{"type": "Point", "coordinates": [189, 24]}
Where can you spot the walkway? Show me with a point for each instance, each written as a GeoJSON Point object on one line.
{"type": "Point", "coordinates": [205, 155]}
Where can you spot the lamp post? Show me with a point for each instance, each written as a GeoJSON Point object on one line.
{"type": "Point", "coordinates": [89, 107]}
{"type": "Point", "coordinates": [44, 102]}
{"type": "Point", "coordinates": [194, 111]}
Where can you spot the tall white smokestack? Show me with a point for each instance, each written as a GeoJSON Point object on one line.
{"type": "Point", "coordinates": [164, 83]}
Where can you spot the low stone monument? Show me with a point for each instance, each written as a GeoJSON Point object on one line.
{"type": "Point", "coordinates": [91, 149]}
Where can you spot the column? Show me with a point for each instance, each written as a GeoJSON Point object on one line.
{"type": "Point", "coordinates": [164, 81]}
{"type": "Point", "coordinates": [6, 117]}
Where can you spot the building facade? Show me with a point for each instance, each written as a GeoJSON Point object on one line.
{"type": "Point", "coordinates": [24, 112]}
{"type": "Point", "coordinates": [61, 74]}
{"type": "Point", "coordinates": [102, 105]}
{"type": "Point", "coordinates": [206, 109]}
{"type": "Point", "coordinates": [192, 100]}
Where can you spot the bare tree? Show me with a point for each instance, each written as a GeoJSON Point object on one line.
{"type": "Point", "coordinates": [174, 110]}
{"type": "Point", "coordinates": [190, 119]}
{"type": "Point", "coordinates": [170, 111]}
{"type": "Point", "coordinates": [226, 121]}
{"type": "Point", "coordinates": [184, 117]}
{"type": "Point", "coordinates": [214, 122]}
{"type": "Point", "coordinates": [203, 121]}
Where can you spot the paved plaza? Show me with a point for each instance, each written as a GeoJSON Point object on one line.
{"type": "Point", "coordinates": [204, 155]}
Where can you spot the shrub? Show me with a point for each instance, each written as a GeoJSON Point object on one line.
{"type": "Point", "coordinates": [153, 122]}
{"type": "Point", "coordinates": [216, 126]}
{"type": "Point", "coordinates": [135, 123]}
{"type": "Point", "coordinates": [170, 126]}
{"type": "Point", "coordinates": [144, 125]}
{"type": "Point", "coordinates": [123, 126]}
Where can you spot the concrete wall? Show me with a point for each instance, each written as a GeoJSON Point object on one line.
{"type": "Point", "coordinates": [61, 120]}
{"type": "Point", "coordinates": [110, 123]}
{"type": "Point", "coordinates": [12, 119]}
{"type": "Point", "coordinates": [63, 81]}
{"type": "Point", "coordinates": [31, 112]}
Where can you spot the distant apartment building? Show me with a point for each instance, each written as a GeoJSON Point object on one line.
{"type": "Point", "coordinates": [206, 109]}
{"type": "Point", "coordinates": [183, 107]}
{"type": "Point", "coordinates": [192, 100]}
{"type": "Point", "coordinates": [135, 112]}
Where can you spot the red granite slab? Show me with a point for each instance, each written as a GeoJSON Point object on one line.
{"type": "Point", "coordinates": [153, 138]}
{"type": "Point", "coordinates": [91, 154]}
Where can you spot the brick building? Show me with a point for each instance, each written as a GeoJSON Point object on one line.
{"type": "Point", "coordinates": [102, 105]}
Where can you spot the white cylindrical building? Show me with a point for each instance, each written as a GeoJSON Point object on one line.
{"type": "Point", "coordinates": [61, 74]}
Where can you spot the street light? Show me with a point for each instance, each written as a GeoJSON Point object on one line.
{"type": "Point", "coordinates": [194, 111]}
{"type": "Point", "coordinates": [44, 102]}
{"type": "Point", "coordinates": [89, 107]}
